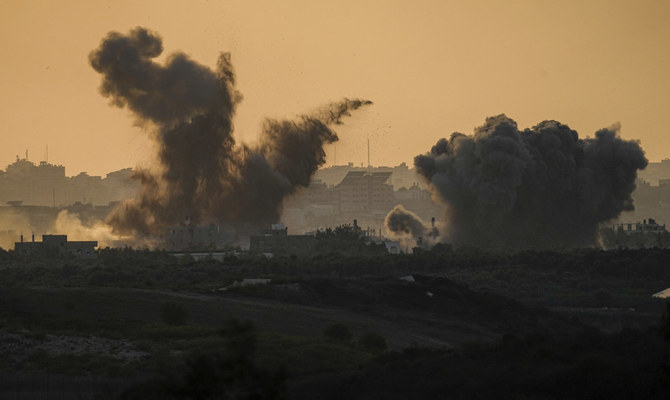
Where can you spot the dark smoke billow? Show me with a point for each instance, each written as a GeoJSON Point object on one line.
{"type": "Point", "coordinates": [205, 175]}
{"type": "Point", "coordinates": [537, 188]}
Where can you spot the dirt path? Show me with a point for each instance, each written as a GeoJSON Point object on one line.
{"type": "Point", "coordinates": [401, 329]}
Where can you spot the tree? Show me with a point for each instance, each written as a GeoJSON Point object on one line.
{"type": "Point", "coordinates": [346, 239]}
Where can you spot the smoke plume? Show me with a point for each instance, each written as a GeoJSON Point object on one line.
{"type": "Point", "coordinates": [205, 175]}
{"type": "Point", "coordinates": [408, 227]}
{"type": "Point", "coordinates": [94, 229]}
{"type": "Point", "coordinates": [537, 188]}
{"type": "Point", "coordinates": [76, 226]}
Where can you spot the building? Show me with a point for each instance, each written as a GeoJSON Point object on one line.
{"type": "Point", "coordinates": [191, 237]}
{"type": "Point", "coordinates": [45, 184]}
{"type": "Point", "coordinates": [339, 194]}
{"type": "Point", "coordinates": [392, 246]}
{"type": "Point", "coordinates": [42, 184]}
{"type": "Point", "coordinates": [655, 172]}
{"type": "Point", "coordinates": [401, 175]}
{"type": "Point", "coordinates": [638, 235]}
{"type": "Point", "coordinates": [646, 226]}
{"type": "Point", "coordinates": [276, 240]}
{"type": "Point", "coordinates": [56, 246]}
{"type": "Point", "coordinates": [362, 192]}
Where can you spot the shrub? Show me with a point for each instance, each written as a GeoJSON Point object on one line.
{"type": "Point", "coordinates": [173, 314]}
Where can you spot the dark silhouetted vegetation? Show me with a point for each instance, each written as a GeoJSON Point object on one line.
{"type": "Point", "coordinates": [226, 372]}
{"type": "Point", "coordinates": [588, 365]}
{"type": "Point", "coordinates": [348, 240]}
{"type": "Point", "coordinates": [534, 324]}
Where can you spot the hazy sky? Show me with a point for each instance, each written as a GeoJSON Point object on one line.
{"type": "Point", "coordinates": [431, 67]}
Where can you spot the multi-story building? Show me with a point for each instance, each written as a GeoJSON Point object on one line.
{"type": "Point", "coordinates": [44, 184]}
{"type": "Point", "coordinates": [33, 184]}
{"type": "Point", "coordinates": [364, 192]}
{"type": "Point", "coordinates": [401, 175]}
{"type": "Point", "coordinates": [276, 240]}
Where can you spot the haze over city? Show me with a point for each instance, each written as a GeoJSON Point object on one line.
{"type": "Point", "coordinates": [430, 67]}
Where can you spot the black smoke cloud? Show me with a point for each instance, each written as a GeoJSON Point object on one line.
{"type": "Point", "coordinates": [538, 188]}
{"type": "Point", "coordinates": [205, 175]}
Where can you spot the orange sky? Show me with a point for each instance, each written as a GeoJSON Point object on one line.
{"type": "Point", "coordinates": [431, 67]}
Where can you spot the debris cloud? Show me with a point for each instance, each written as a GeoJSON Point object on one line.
{"type": "Point", "coordinates": [409, 228]}
{"type": "Point", "coordinates": [32, 225]}
{"type": "Point", "coordinates": [205, 175]}
{"type": "Point", "coordinates": [542, 187]}
{"type": "Point", "coordinates": [72, 225]}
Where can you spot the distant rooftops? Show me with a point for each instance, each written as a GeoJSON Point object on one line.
{"type": "Point", "coordinates": [647, 225]}
{"type": "Point", "coordinates": [56, 245]}
{"type": "Point", "coordinates": [381, 177]}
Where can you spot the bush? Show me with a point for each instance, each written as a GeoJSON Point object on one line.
{"type": "Point", "coordinates": [173, 314]}
{"type": "Point", "coordinates": [338, 333]}
{"type": "Point", "coordinates": [373, 342]}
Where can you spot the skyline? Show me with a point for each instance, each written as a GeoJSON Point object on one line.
{"type": "Point", "coordinates": [431, 69]}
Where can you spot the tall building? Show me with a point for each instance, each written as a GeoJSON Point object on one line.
{"type": "Point", "coordinates": [365, 192]}
{"type": "Point", "coordinates": [402, 175]}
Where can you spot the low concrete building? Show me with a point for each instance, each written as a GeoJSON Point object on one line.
{"type": "Point", "coordinates": [646, 226]}
{"type": "Point", "coordinates": [56, 245]}
{"type": "Point", "coordinates": [277, 241]}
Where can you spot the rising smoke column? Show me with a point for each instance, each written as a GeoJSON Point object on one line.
{"type": "Point", "coordinates": [409, 228]}
{"type": "Point", "coordinates": [205, 175]}
{"type": "Point", "coordinates": [402, 221]}
{"type": "Point", "coordinates": [541, 187]}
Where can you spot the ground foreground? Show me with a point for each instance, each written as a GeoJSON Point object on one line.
{"type": "Point", "coordinates": [439, 324]}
